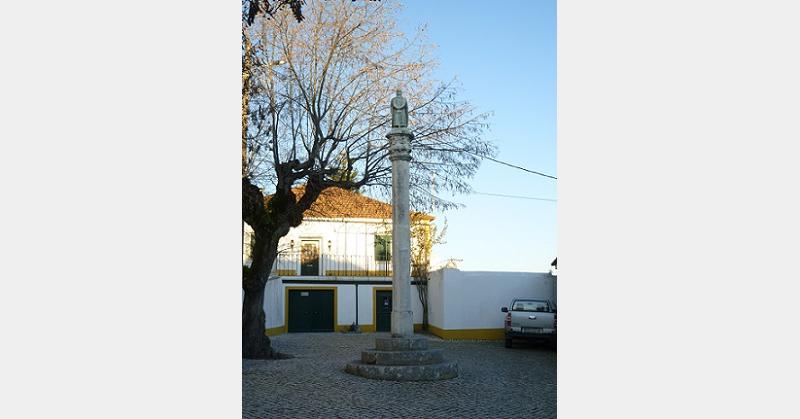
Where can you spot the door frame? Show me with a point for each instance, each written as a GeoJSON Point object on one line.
{"type": "Point", "coordinates": [319, 254]}
{"type": "Point", "coordinates": [307, 288]}
{"type": "Point", "coordinates": [375, 305]}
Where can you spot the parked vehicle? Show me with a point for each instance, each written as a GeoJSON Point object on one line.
{"type": "Point", "coordinates": [530, 319]}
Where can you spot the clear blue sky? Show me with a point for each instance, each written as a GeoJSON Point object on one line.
{"type": "Point", "coordinates": [504, 54]}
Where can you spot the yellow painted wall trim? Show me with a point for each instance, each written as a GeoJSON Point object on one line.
{"type": "Point", "coordinates": [468, 334]}
{"type": "Point", "coordinates": [346, 272]}
{"type": "Point", "coordinates": [370, 328]}
{"type": "Point", "coordinates": [286, 272]}
{"type": "Point", "coordinates": [275, 331]}
{"type": "Point", "coordinates": [364, 328]}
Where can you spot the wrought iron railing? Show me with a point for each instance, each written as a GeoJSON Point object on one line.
{"type": "Point", "coordinates": [309, 264]}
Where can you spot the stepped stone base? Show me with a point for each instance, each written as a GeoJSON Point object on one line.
{"type": "Point", "coordinates": [403, 359]}
{"type": "Point", "coordinates": [441, 371]}
{"type": "Point", "coordinates": [401, 344]}
{"type": "Point", "coordinates": [420, 357]}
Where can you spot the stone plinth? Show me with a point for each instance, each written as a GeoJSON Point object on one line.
{"type": "Point", "coordinates": [401, 344]}
{"type": "Point", "coordinates": [403, 359]}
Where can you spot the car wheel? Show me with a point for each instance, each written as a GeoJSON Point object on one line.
{"type": "Point", "coordinates": [508, 342]}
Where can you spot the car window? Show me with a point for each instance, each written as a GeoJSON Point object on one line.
{"type": "Point", "coordinates": [530, 305]}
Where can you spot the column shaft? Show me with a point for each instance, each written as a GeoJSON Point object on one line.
{"type": "Point", "coordinates": [402, 316]}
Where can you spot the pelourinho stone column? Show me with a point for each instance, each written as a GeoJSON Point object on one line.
{"type": "Point", "coordinates": [400, 154]}
{"type": "Point", "coordinates": [403, 356]}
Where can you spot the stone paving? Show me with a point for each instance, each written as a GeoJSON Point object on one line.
{"type": "Point", "coordinates": [494, 382]}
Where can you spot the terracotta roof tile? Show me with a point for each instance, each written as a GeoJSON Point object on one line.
{"type": "Point", "coordinates": [341, 203]}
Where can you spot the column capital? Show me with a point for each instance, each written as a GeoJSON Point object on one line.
{"type": "Point", "coordinates": [400, 145]}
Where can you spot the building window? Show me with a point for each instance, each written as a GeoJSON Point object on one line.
{"type": "Point", "coordinates": [383, 247]}
{"type": "Point", "coordinates": [530, 305]}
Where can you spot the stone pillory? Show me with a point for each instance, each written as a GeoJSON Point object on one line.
{"type": "Point", "coordinates": [400, 155]}
{"type": "Point", "coordinates": [403, 356]}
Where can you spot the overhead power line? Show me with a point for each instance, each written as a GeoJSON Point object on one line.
{"type": "Point", "coordinates": [515, 196]}
{"type": "Point", "coordinates": [517, 167]}
{"type": "Point", "coordinates": [507, 164]}
{"type": "Point", "coordinates": [488, 158]}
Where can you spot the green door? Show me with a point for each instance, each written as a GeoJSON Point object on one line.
{"type": "Point", "coordinates": [311, 310]}
{"type": "Point", "coordinates": [383, 311]}
{"type": "Point", "coordinates": [322, 311]}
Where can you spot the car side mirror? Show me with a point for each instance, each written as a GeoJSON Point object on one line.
{"type": "Point", "coordinates": [504, 309]}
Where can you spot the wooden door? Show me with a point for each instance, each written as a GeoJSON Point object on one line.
{"type": "Point", "coordinates": [309, 258]}
{"type": "Point", "coordinates": [383, 311]}
{"type": "Point", "coordinates": [310, 311]}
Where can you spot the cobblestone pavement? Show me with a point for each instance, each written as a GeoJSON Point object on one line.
{"type": "Point", "coordinates": [493, 382]}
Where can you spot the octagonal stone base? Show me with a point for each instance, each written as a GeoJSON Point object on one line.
{"type": "Point", "coordinates": [403, 359]}
{"type": "Point", "coordinates": [418, 357]}
{"type": "Point", "coordinates": [441, 371]}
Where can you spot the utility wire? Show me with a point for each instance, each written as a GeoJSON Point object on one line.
{"type": "Point", "coordinates": [515, 166]}
{"type": "Point", "coordinates": [488, 158]}
{"type": "Point", "coordinates": [507, 164]}
{"type": "Point", "coordinates": [514, 196]}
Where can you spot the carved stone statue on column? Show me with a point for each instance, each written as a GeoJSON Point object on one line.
{"type": "Point", "coordinates": [399, 111]}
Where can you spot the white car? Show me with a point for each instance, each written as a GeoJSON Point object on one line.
{"type": "Point", "coordinates": [530, 319]}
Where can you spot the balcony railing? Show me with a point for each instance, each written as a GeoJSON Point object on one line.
{"type": "Point", "coordinates": [309, 264]}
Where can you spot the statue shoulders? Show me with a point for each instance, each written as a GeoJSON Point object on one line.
{"type": "Point", "coordinates": [399, 102]}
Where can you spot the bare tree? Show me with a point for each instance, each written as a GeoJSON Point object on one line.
{"type": "Point", "coordinates": [254, 8]}
{"type": "Point", "coordinates": [318, 115]}
{"type": "Point", "coordinates": [251, 9]}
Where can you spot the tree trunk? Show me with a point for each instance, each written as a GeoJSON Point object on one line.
{"type": "Point", "coordinates": [422, 293]}
{"type": "Point", "coordinates": [255, 343]}
{"type": "Point", "coordinates": [269, 225]}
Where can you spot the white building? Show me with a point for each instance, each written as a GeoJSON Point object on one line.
{"type": "Point", "coordinates": [334, 271]}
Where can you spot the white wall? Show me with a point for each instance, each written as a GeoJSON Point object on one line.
{"type": "Point", "coordinates": [416, 305]}
{"type": "Point", "coordinates": [365, 304]}
{"type": "Point", "coordinates": [436, 298]}
{"type": "Point", "coordinates": [458, 299]}
{"type": "Point", "coordinates": [275, 293]}
{"type": "Point", "coordinates": [273, 303]}
{"type": "Point", "coordinates": [346, 304]}
{"type": "Point", "coordinates": [472, 300]}
{"type": "Point", "coordinates": [352, 238]}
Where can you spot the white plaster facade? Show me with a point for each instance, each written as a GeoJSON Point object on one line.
{"type": "Point", "coordinates": [459, 301]}
{"type": "Point", "coordinates": [347, 254]}
{"type": "Point", "coordinates": [345, 305]}
{"type": "Point", "coordinates": [461, 304]}
{"type": "Point", "coordinates": [346, 243]}
{"type": "Point", "coordinates": [464, 300]}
